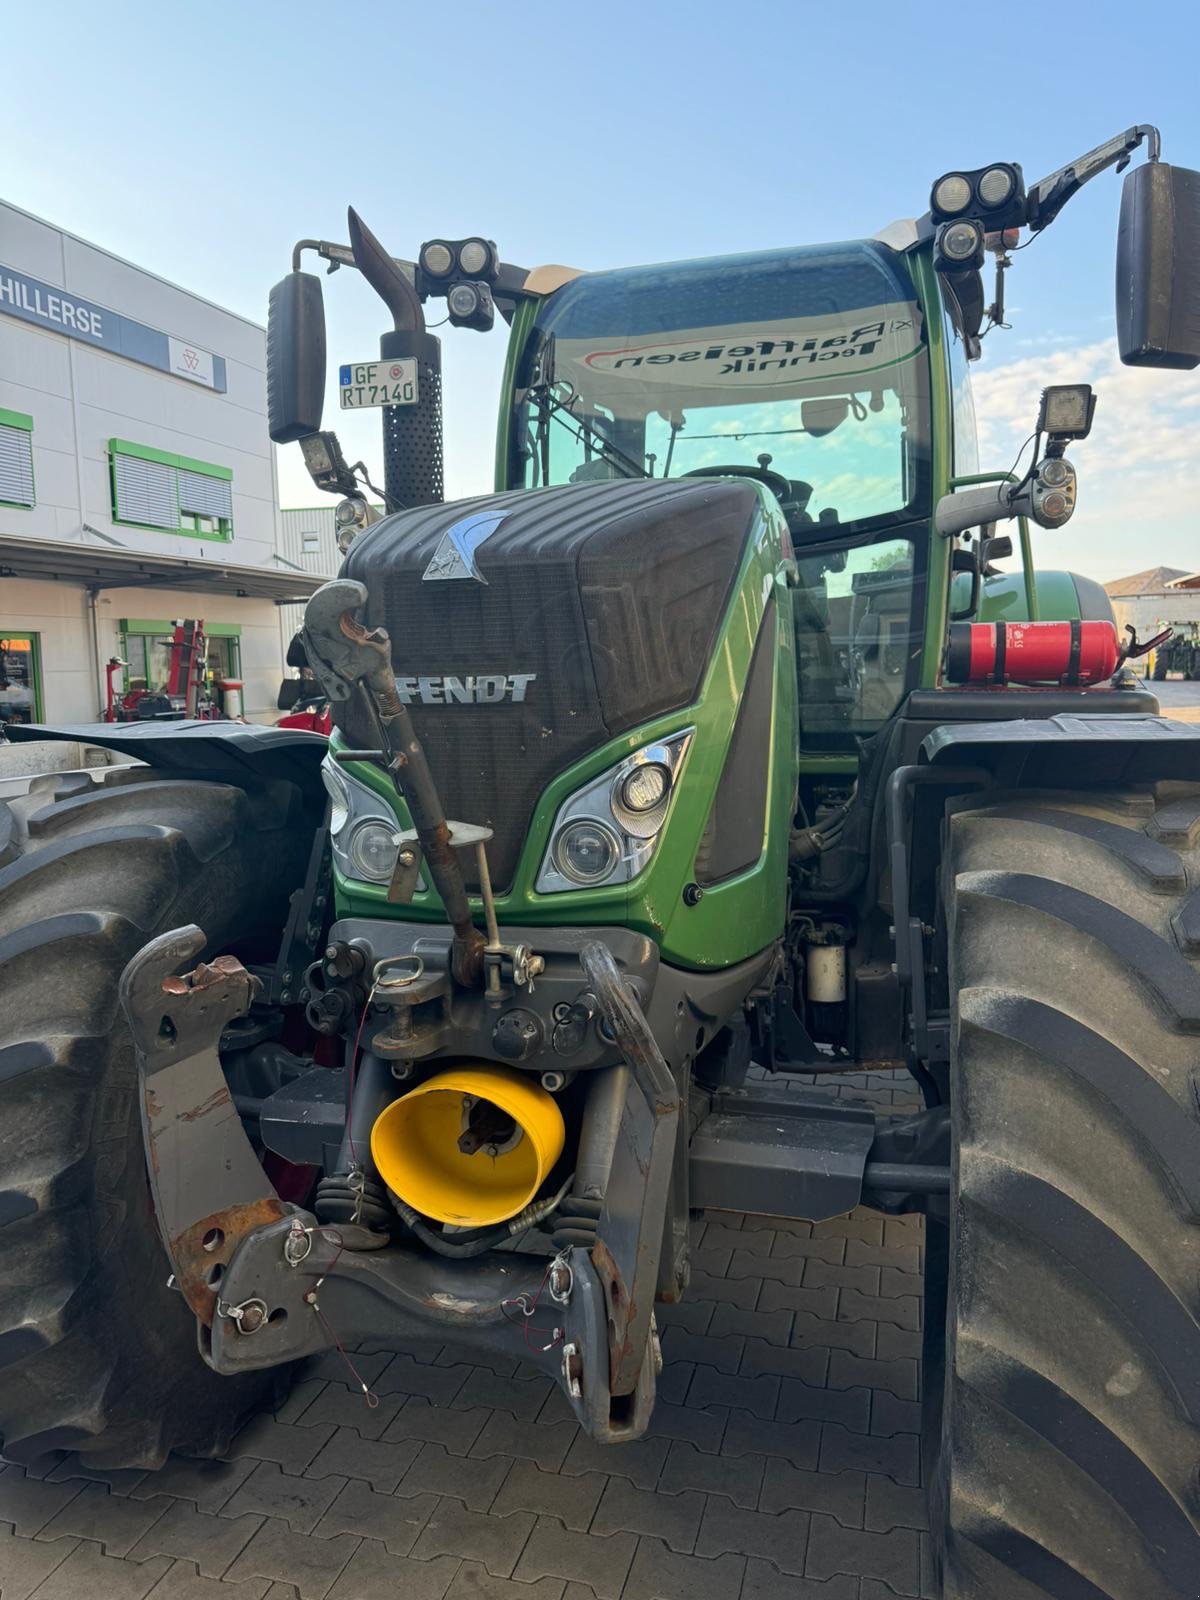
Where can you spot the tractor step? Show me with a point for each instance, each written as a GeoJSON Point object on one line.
{"type": "Point", "coordinates": [779, 1155]}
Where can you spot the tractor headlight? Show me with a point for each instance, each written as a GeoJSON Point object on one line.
{"type": "Point", "coordinates": [951, 194]}
{"type": "Point", "coordinates": [372, 845]}
{"type": "Point", "coordinates": [996, 185]}
{"type": "Point", "coordinates": [586, 851]}
{"type": "Point", "coordinates": [364, 830]}
{"type": "Point", "coordinates": [607, 832]}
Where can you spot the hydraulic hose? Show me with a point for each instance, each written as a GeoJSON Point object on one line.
{"type": "Point", "coordinates": [477, 1241]}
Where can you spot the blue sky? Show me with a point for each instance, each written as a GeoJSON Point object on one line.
{"type": "Point", "coordinates": [201, 141]}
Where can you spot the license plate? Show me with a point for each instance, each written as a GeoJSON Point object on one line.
{"type": "Point", "coordinates": [379, 383]}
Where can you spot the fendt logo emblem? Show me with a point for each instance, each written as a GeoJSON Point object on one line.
{"type": "Point", "coordinates": [455, 553]}
{"type": "Point", "coordinates": [484, 688]}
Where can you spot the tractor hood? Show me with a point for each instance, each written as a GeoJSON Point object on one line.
{"type": "Point", "coordinates": [530, 628]}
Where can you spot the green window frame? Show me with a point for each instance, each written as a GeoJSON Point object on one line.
{"type": "Point", "coordinates": [170, 493]}
{"type": "Point", "coordinates": [16, 460]}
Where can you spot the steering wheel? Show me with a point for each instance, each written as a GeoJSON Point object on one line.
{"type": "Point", "coordinates": [779, 486]}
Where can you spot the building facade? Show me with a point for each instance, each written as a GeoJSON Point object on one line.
{"type": "Point", "coordinates": [137, 483]}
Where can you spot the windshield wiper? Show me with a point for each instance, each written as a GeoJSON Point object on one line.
{"type": "Point", "coordinates": [550, 406]}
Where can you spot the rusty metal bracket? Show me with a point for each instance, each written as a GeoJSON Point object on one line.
{"type": "Point", "coordinates": [629, 1237]}
{"type": "Point", "coordinates": [209, 1188]}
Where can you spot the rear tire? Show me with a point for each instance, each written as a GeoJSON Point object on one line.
{"type": "Point", "coordinates": [1069, 1461]}
{"type": "Point", "coordinates": [97, 1355]}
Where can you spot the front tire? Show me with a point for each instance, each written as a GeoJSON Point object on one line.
{"type": "Point", "coordinates": [1069, 1460]}
{"type": "Point", "coordinates": [97, 1355]}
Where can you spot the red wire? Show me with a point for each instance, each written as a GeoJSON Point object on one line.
{"type": "Point", "coordinates": [371, 1398]}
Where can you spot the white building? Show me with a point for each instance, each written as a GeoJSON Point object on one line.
{"type": "Point", "coordinates": [137, 481]}
{"type": "Point", "coordinates": [1151, 599]}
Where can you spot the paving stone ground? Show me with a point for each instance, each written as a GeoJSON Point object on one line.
{"type": "Point", "coordinates": [782, 1462]}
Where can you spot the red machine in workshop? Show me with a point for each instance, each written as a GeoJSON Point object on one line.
{"type": "Point", "coordinates": [186, 694]}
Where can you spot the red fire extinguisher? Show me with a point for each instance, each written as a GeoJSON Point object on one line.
{"type": "Point", "coordinates": [1072, 654]}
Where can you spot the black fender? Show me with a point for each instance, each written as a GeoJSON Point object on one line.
{"type": "Point", "coordinates": [1069, 750]}
{"type": "Point", "coordinates": [223, 751]}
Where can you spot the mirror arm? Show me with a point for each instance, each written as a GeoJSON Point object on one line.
{"type": "Point", "coordinates": [1048, 197]}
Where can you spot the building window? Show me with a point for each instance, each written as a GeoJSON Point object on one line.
{"type": "Point", "coordinates": [310, 542]}
{"type": "Point", "coordinates": [20, 678]}
{"type": "Point", "coordinates": [148, 646]}
{"type": "Point", "coordinates": [16, 458]}
{"type": "Point", "coordinates": [154, 489]}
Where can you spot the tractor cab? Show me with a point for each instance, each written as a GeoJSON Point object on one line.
{"type": "Point", "coordinates": [806, 371]}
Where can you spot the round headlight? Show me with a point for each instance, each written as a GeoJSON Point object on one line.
{"type": "Point", "coordinates": [338, 791]}
{"type": "Point", "coordinates": [960, 242]}
{"type": "Point", "coordinates": [463, 300]}
{"type": "Point", "coordinates": [372, 850]}
{"type": "Point", "coordinates": [1054, 506]}
{"type": "Point", "coordinates": [1055, 473]}
{"type": "Point", "coordinates": [951, 194]}
{"type": "Point", "coordinates": [645, 787]}
{"type": "Point", "coordinates": [437, 259]}
{"type": "Point", "coordinates": [996, 186]}
{"type": "Point", "coordinates": [474, 257]}
{"type": "Point", "coordinates": [586, 851]}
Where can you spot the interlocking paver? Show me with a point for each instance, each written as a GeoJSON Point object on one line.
{"type": "Point", "coordinates": [29, 1503]}
{"type": "Point", "coordinates": [331, 1366]}
{"type": "Point", "coordinates": [759, 1396]}
{"type": "Point", "coordinates": [183, 1582]}
{"type": "Point", "coordinates": [88, 1571]}
{"type": "Point", "coordinates": [349, 1408]}
{"type": "Point", "coordinates": [898, 1457]}
{"type": "Point", "coordinates": [78, 1469]}
{"type": "Point", "coordinates": [674, 1518]}
{"type": "Point", "coordinates": [380, 1462]}
{"type": "Point", "coordinates": [723, 1291]}
{"type": "Point", "coordinates": [473, 1582]}
{"type": "Point", "coordinates": [403, 1375]}
{"type": "Point", "coordinates": [689, 1468]}
{"type": "Point", "coordinates": [803, 1247]}
{"type": "Point", "coordinates": [692, 1314]}
{"type": "Point", "coordinates": [893, 1343]}
{"type": "Point", "coordinates": [373, 1574]}
{"type": "Point", "coordinates": [848, 1371]}
{"type": "Point", "coordinates": [889, 1415]}
{"type": "Point", "coordinates": [736, 1322]}
{"type": "Point", "coordinates": [494, 1541]}
{"type": "Point", "coordinates": [113, 1521]}
{"type": "Point", "coordinates": [208, 1542]}
{"type": "Point", "coordinates": [271, 1492]}
{"type": "Point", "coordinates": [207, 1484]}
{"type": "Point", "coordinates": [904, 1310]}
{"type": "Point", "coordinates": [781, 1537]}
{"type": "Point", "coordinates": [812, 1332]}
{"type": "Point", "coordinates": [454, 1430]}
{"type": "Point", "coordinates": [778, 1296]}
{"type": "Point", "coordinates": [25, 1563]}
{"type": "Point", "coordinates": [642, 1463]}
{"type": "Point", "coordinates": [809, 1365]}
{"type": "Point", "coordinates": [719, 1236]}
{"type": "Point", "coordinates": [862, 1225]}
{"type": "Point", "coordinates": [764, 1581]}
{"type": "Point", "coordinates": [552, 1494]}
{"type": "Point", "coordinates": [486, 1391]}
{"type": "Point", "coordinates": [674, 1382]}
{"type": "Point", "coordinates": [904, 1257]}
{"type": "Point", "coordinates": [300, 1398]}
{"type": "Point", "coordinates": [721, 1354]}
{"type": "Point", "coordinates": [286, 1443]}
{"type": "Point", "coordinates": [546, 1443]}
{"type": "Point", "coordinates": [894, 1558]}
{"type": "Point", "coordinates": [475, 1483]}
{"type": "Point", "coordinates": [797, 1442]}
{"type": "Point", "coordinates": [840, 1494]}
{"type": "Point", "coordinates": [602, 1563]}
{"type": "Point", "coordinates": [894, 1505]}
{"type": "Point", "coordinates": [659, 1574]}
{"type": "Point", "coordinates": [704, 1429]}
{"type": "Point", "coordinates": [312, 1565]}
{"type": "Point", "coordinates": [395, 1519]}
{"type": "Point", "coordinates": [850, 1407]}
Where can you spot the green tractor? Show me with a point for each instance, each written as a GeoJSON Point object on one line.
{"type": "Point", "coordinates": [712, 748]}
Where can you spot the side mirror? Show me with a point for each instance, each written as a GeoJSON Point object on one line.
{"type": "Point", "coordinates": [1158, 267]}
{"type": "Point", "coordinates": [295, 357]}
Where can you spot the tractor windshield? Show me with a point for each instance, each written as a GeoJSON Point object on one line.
{"type": "Point", "coordinates": [805, 368]}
